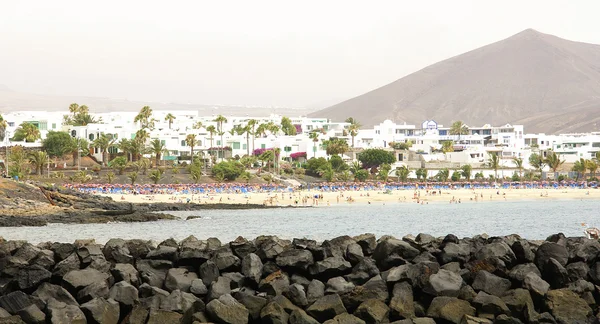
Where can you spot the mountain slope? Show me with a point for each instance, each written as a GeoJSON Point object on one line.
{"type": "Point", "coordinates": [547, 83]}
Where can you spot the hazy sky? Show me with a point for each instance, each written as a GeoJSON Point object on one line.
{"type": "Point", "coordinates": [269, 53]}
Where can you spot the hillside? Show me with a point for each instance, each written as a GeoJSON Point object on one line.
{"type": "Point", "coordinates": [549, 84]}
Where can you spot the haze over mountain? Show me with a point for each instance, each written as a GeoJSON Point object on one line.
{"type": "Point", "coordinates": [544, 82]}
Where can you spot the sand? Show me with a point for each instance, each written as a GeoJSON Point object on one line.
{"type": "Point", "coordinates": [372, 197]}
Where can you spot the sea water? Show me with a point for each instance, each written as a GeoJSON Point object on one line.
{"type": "Point", "coordinates": [530, 219]}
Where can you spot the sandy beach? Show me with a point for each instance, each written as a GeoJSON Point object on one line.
{"type": "Point", "coordinates": [306, 198]}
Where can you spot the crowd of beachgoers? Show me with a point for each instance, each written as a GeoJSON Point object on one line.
{"type": "Point", "coordinates": [244, 188]}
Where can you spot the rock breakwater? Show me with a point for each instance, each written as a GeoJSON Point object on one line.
{"type": "Point", "coordinates": [359, 279]}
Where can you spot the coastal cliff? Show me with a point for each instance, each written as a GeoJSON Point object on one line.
{"type": "Point", "coordinates": [359, 279]}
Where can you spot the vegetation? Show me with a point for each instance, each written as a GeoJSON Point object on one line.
{"type": "Point", "coordinates": [465, 171]}
{"type": "Point", "coordinates": [580, 167]}
{"type": "Point", "coordinates": [287, 127]}
{"type": "Point", "coordinates": [119, 164]}
{"type": "Point", "coordinates": [18, 162]}
{"type": "Point", "coordinates": [38, 159]}
{"type": "Point", "coordinates": [80, 116]}
{"type": "Point", "coordinates": [335, 146]}
{"type": "Point", "coordinates": [57, 144]}
{"type": "Point", "coordinates": [493, 163]}
{"type": "Point", "coordinates": [375, 157]}
{"type": "Point", "coordinates": [402, 173]}
{"type": "Point", "coordinates": [536, 161]}
{"type": "Point", "coordinates": [353, 128]}
{"type": "Point", "coordinates": [228, 170]}
{"type": "Point", "coordinates": [554, 161]}
{"type": "Point", "coordinates": [421, 174]}
{"type": "Point", "coordinates": [144, 117]}
{"type": "Point", "coordinates": [519, 164]}
{"type": "Point", "coordinates": [27, 132]}
{"type": "Point", "coordinates": [459, 128]}
{"type": "Point", "coordinates": [104, 142]}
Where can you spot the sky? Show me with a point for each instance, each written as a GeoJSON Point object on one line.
{"type": "Point", "coordinates": [263, 53]}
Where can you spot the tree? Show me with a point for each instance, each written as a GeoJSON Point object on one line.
{"type": "Point", "coordinates": [27, 132]}
{"type": "Point", "coordinates": [109, 177]}
{"type": "Point", "coordinates": [57, 144]}
{"type": "Point", "coordinates": [592, 166]}
{"type": "Point", "coordinates": [246, 176]}
{"type": "Point", "coordinates": [80, 116]}
{"type": "Point", "coordinates": [314, 136]}
{"type": "Point", "coordinates": [334, 146]}
{"type": "Point", "coordinates": [355, 166]}
{"type": "Point", "coordinates": [447, 146]}
{"type": "Point", "coordinates": [287, 127]}
{"type": "Point", "coordinates": [228, 170]}
{"type": "Point", "coordinates": [142, 136]}
{"type": "Point", "coordinates": [465, 171]}
{"type": "Point", "coordinates": [519, 164]}
{"type": "Point", "coordinates": [38, 160]}
{"type": "Point", "coordinates": [103, 142]}
{"type": "Point", "coordinates": [144, 117]}
{"type": "Point", "coordinates": [170, 118]}
{"type": "Point", "coordinates": [536, 161]}
{"type": "Point", "coordinates": [119, 163]}
{"type": "Point", "coordinates": [18, 161]}
{"type": "Point", "coordinates": [421, 173]}
{"type": "Point", "coordinates": [458, 128]}
{"type": "Point", "coordinates": [82, 148]}
{"type": "Point", "coordinates": [384, 172]}
{"type": "Point", "coordinates": [327, 172]}
{"type": "Point", "coordinates": [195, 169]}
{"type": "Point", "coordinates": [494, 162]}
{"type": "Point", "coordinates": [132, 176]}
{"type": "Point", "coordinates": [375, 157]}
{"type": "Point", "coordinates": [554, 162]}
{"type": "Point", "coordinates": [313, 165]}
{"type": "Point", "coordinates": [251, 125]}
{"type": "Point", "coordinates": [197, 125]}
{"type": "Point", "coordinates": [579, 167]}
{"type": "Point", "coordinates": [3, 126]}
{"type": "Point", "coordinates": [361, 175]}
{"type": "Point", "coordinates": [402, 173]}
{"type": "Point", "coordinates": [443, 175]}
{"type": "Point", "coordinates": [338, 164]}
{"type": "Point", "coordinates": [220, 120]}
{"type": "Point", "coordinates": [191, 141]}
{"type": "Point", "coordinates": [456, 175]}
{"type": "Point", "coordinates": [353, 128]}
{"type": "Point", "coordinates": [157, 148]}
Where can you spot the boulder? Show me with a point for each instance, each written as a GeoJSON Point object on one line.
{"type": "Point", "coordinates": [32, 315]}
{"type": "Point", "coordinates": [179, 279]}
{"type": "Point", "coordinates": [242, 247]}
{"type": "Point", "coordinates": [124, 293]}
{"type": "Point", "coordinates": [402, 302]}
{"type": "Point", "coordinates": [159, 316]}
{"type": "Point", "coordinates": [226, 261]}
{"type": "Point", "coordinates": [555, 274]}
{"type": "Point", "coordinates": [468, 319]}
{"type": "Point", "coordinates": [577, 270]}
{"type": "Point", "coordinates": [12, 320]}
{"type": "Point", "coordinates": [453, 252]}
{"type": "Point", "coordinates": [153, 272]}
{"type": "Point", "coordinates": [15, 301]}
{"type": "Point", "coordinates": [338, 285]}
{"type": "Point", "coordinates": [518, 273]}
{"type": "Point", "coordinates": [269, 247]}
{"type": "Point", "coordinates": [489, 304]}
{"type": "Point", "coordinates": [116, 251]}
{"type": "Point", "coordinates": [551, 250]}
{"type": "Point", "coordinates": [126, 272]}
{"type": "Point", "coordinates": [100, 310]}
{"type": "Point", "coordinates": [391, 252]}
{"type": "Point", "coordinates": [180, 302]}
{"type": "Point", "coordinates": [450, 309]}
{"type": "Point", "coordinates": [586, 251]}
{"type": "Point", "coordinates": [326, 307]}
{"type": "Point", "coordinates": [296, 294]}
{"type": "Point", "coordinates": [219, 288]}
{"type": "Point", "coordinates": [581, 286]}
{"type": "Point", "coordinates": [208, 272]}
{"type": "Point", "coordinates": [198, 288]}
{"type": "Point", "coordinates": [95, 290]}
{"type": "Point", "coordinates": [139, 248]}
{"type": "Point", "coordinates": [345, 318]}
{"type": "Point", "coordinates": [523, 251]}
{"type": "Point", "coordinates": [32, 276]}
{"type": "Point", "coordinates": [364, 270]}
{"type": "Point", "coordinates": [490, 283]}
{"type": "Point", "coordinates": [315, 290]}
{"type": "Point", "coordinates": [46, 291]}
{"type": "Point", "coordinates": [62, 250]}
{"type": "Point", "coordinates": [330, 267]}
{"type": "Point", "coordinates": [194, 251]}
{"type": "Point", "coordinates": [60, 313]}
{"type": "Point", "coordinates": [498, 250]}
{"type": "Point", "coordinates": [78, 279]}
{"type": "Point", "coordinates": [367, 242]}
{"type": "Point", "coordinates": [372, 311]}
{"type": "Point", "coordinates": [536, 285]}
{"type": "Point", "coordinates": [299, 316]}
{"type": "Point", "coordinates": [275, 283]}
{"type": "Point", "coordinates": [227, 310]}
{"type": "Point", "coordinates": [520, 303]}
{"type": "Point", "coordinates": [295, 258]}
{"type": "Point", "coordinates": [44, 259]}
{"type": "Point", "coordinates": [138, 315]}
{"type": "Point", "coordinates": [67, 265]}
{"type": "Point", "coordinates": [444, 283]}
{"type": "Point", "coordinates": [354, 253]}
{"type": "Point", "coordinates": [163, 252]}
{"type": "Point", "coordinates": [252, 267]}
{"type": "Point", "coordinates": [253, 304]}
{"type": "Point", "coordinates": [272, 313]}
{"type": "Point", "coordinates": [375, 288]}
{"type": "Point", "coordinates": [568, 307]}
{"type": "Point", "coordinates": [88, 253]}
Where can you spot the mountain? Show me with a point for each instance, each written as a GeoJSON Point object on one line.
{"type": "Point", "coordinates": [546, 83]}
{"type": "Point", "coordinates": [15, 100]}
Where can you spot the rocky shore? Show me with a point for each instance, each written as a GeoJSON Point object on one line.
{"type": "Point", "coordinates": [36, 204]}
{"type": "Point", "coordinates": [346, 279]}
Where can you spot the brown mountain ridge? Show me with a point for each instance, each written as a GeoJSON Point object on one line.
{"type": "Point", "coordinates": [544, 82]}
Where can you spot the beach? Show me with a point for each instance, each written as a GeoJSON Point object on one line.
{"type": "Point", "coordinates": [422, 196]}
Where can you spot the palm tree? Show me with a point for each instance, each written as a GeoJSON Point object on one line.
{"type": "Point", "coordinates": [157, 148]}
{"type": "Point", "coordinates": [494, 163]}
{"type": "Point", "coordinates": [273, 128]}
{"type": "Point", "coordinates": [103, 142]}
{"type": "Point", "coordinates": [132, 176]}
{"type": "Point", "coordinates": [443, 175]}
{"type": "Point", "coordinates": [197, 125]}
{"type": "Point", "coordinates": [458, 128]}
{"type": "Point", "coordinates": [261, 130]}
{"type": "Point", "coordinates": [74, 108]}
{"type": "Point", "coordinates": [519, 164]}
{"type": "Point", "coordinates": [287, 127]}
{"type": "Point", "coordinates": [170, 118]}
{"type": "Point", "coordinates": [353, 128]}
{"type": "Point", "coordinates": [3, 126]}
{"type": "Point", "coordinates": [335, 146]}
{"type": "Point", "coordinates": [554, 162]}
{"type": "Point", "coordinates": [142, 136]}
{"type": "Point", "coordinates": [81, 146]}
{"type": "Point", "coordinates": [592, 166]}
{"type": "Point", "coordinates": [28, 132]}
{"type": "Point", "coordinates": [402, 173]}
{"type": "Point", "coordinates": [212, 131]}
{"type": "Point", "coordinates": [38, 160]}
{"type": "Point", "coordinates": [314, 136]}
{"type": "Point", "coordinates": [580, 168]}
{"type": "Point", "coordinates": [220, 120]}
{"type": "Point", "coordinates": [145, 118]}
{"type": "Point", "coordinates": [536, 161]}
{"type": "Point", "coordinates": [465, 171]}
{"type": "Point", "coordinates": [191, 141]}
{"type": "Point", "coordinates": [252, 125]}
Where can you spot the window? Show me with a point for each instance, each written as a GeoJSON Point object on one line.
{"type": "Point", "coordinates": [163, 142]}
{"type": "Point", "coordinates": [236, 145]}
{"type": "Point", "coordinates": [487, 132]}
{"type": "Point", "coordinates": [443, 132]}
{"type": "Point", "coordinates": [53, 125]}
{"type": "Point", "coordinates": [218, 142]}
{"type": "Point", "coordinates": [244, 147]}
{"type": "Point", "coordinates": [182, 142]}
{"type": "Point", "coordinates": [91, 137]}
{"type": "Point", "coordinates": [262, 146]}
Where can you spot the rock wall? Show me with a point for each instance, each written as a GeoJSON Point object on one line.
{"type": "Point", "coordinates": [269, 280]}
